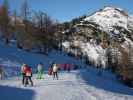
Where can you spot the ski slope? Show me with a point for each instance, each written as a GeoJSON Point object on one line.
{"type": "Point", "coordinates": [76, 85]}
{"type": "Point", "coordinates": [83, 84]}
{"type": "Point", "coordinates": [11, 59]}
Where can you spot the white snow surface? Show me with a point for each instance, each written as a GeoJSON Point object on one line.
{"type": "Point", "coordinates": [77, 85]}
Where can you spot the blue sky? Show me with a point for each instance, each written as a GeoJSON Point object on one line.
{"type": "Point", "coordinates": [65, 10]}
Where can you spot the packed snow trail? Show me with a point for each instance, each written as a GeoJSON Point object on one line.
{"type": "Point", "coordinates": [70, 86]}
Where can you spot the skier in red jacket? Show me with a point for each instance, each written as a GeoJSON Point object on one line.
{"type": "Point", "coordinates": [50, 70]}
{"type": "Point", "coordinates": [28, 75]}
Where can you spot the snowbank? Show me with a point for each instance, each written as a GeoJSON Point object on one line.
{"type": "Point", "coordinates": [95, 53]}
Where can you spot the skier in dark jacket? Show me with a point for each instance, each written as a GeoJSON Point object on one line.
{"type": "Point", "coordinates": [69, 67]}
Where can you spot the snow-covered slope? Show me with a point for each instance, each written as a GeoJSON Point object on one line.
{"type": "Point", "coordinates": [82, 84]}
{"type": "Point", "coordinates": [76, 85]}
{"type": "Point", "coordinates": [95, 53]}
{"type": "Point", "coordinates": [109, 17]}
{"type": "Point", "coordinates": [130, 22]}
{"type": "Point", "coordinates": [12, 58]}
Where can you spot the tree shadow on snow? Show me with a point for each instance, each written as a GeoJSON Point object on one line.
{"type": "Point", "coordinates": [105, 83]}
{"type": "Point", "coordinates": [12, 93]}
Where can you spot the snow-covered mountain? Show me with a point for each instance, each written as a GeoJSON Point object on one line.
{"type": "Point", "coordinates": [100, 30]}
{"type": "Point", "coordinates": [109, 17]}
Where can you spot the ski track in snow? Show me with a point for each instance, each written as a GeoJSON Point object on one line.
{"type": "Point", "coordinates": [70, 86]}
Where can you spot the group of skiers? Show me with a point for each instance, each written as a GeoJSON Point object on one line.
{"type": "Point", "coordinates": [27, 73]}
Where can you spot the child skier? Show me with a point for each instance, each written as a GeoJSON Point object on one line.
{"type": "Point", "coordinates": [39, 71]}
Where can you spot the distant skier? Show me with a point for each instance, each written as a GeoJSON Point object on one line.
{"type": "Point", "coordinates": [75, 67]}
{"type": "Point", "coordinates": [68, 67]}
{"type": "Point", "coordinates": [39, 71]}
{"type": "Point", "coordinates": [1, 73]}
{"type": "Point", "coordinates": [55, 71]}
{"type": "Point", "coordinates": [28, 75]}
{"type": "Point", "coordinates": [50, 70]}
{"type": "Point", "coordinates": [61, 66]}
{"type": "Point", "coordinates": [65, 67]}
{"type": "Point", "coordinates": [23, 68]}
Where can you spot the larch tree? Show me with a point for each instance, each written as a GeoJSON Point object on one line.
{"type": "Point", "coordinates": [5, 21]}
